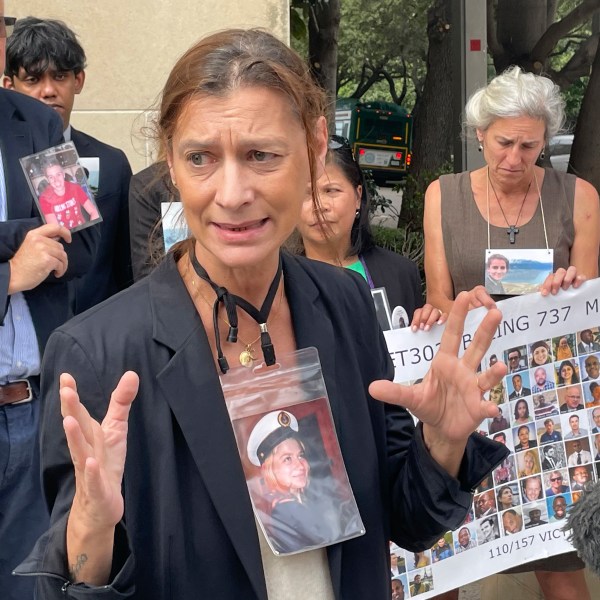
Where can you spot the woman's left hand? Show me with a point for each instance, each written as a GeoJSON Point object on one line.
{"type": "Point", "coordinates": [426, 316]}
{"type": "Point", "coordinates": [561, 279]}
{"type": "Point", "coordinates": [449, 401]}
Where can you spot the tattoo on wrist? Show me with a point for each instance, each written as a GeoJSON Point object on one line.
{"type": "Point", "coordinates": [74, 570]}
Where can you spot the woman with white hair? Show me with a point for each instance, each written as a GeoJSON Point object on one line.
{"type": "Point", "coordinates": [513, 203]}
{"type": "Point", "coordinates": [510, 203]}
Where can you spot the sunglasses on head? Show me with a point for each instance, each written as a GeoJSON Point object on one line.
{"type": "Point", "coordinates": [337, 142]}
{"type": "Point", "coordinates": [341, 146]}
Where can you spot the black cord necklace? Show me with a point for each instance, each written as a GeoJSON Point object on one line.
{"type": "Point", "coordinates": [231, 302]}
{"type": "Point", "coordinates": [512, 229]}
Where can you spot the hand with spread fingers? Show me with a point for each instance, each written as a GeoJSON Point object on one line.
{"type": "Point", "coordinates": [449, 401]}
{"type": "Point", "coordinates": [98, 453]}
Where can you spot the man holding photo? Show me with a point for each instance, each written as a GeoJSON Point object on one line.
{"type": "Point", "coordinates": [45, 60]}
{"type": "Point", "coordinates": [36, 260]}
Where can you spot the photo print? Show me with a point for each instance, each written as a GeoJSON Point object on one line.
{"type": "Point", "coordinates": [516, 271]}
{"type": "Point", "coordinates": [60, 187]}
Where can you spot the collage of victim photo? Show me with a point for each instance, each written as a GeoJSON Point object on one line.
{"type": "Point", "coordinates": [549, 417]}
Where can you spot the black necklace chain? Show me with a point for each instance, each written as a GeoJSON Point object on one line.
{"type": "Point", "coordinates": [512, 229]}
{"type": "Point", "coordinates": [231, 302]}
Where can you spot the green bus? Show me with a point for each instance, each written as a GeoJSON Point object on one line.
{"type": "Point", "coordinates": [380, 134]}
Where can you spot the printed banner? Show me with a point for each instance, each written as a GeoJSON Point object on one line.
{"type": "Point", "coordinates": [549, 419]}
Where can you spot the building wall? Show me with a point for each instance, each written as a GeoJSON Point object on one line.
{"type": "Point", "coordinates": [131, 46]}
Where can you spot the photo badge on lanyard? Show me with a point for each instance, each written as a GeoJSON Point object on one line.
{"type": "Point", "coordinates": [292, 462]}
{"type": "Point", "coordinates": [516, 271]}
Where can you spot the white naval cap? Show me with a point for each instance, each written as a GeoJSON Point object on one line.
{"type": "Point", "coordinates": [268, 432]}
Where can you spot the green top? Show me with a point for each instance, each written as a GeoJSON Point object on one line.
{"type": "Point", "coordinates": [359, 268]}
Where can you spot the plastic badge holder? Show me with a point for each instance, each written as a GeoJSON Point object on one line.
{"type": "Point", "coordinates": [290, 453]}
{"type": "Point", "coordinates": [60, 187]}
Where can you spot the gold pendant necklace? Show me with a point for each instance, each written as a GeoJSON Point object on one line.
{"type": "Point", "coordinates": [247, 356]}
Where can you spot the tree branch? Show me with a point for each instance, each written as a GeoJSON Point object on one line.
{"type": "Point", "coordinates": [494, 46]}
{"type": "Point", "coordinates": [560, 29]}
{"type": "Point", "coordinates": [364, 86]}
{"type": "Point", "coordinates": [392, 85]}
{"type": "Point", "coordinates": [579, 64]}
{"type": "Point", "coordinates": [551, 12]}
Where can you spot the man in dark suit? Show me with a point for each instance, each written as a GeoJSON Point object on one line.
{"type": "Point", "coordinates": [44, 60]}
{"type": "Point", "coordinates": [35, 262]}
{"type": "Point", "coordinates": [596, 420]}
{"type": "Point", "coordinates": [549, 461]}
{"type": "Point", "coordinates": [592, 368]}
{"type": "Point", "coordinates": [519, 390]}
{"type": "Point", "coordinates": [587, 343]}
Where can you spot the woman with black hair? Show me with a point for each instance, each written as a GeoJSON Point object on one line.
{"type": "Point", "coordinates": [339, 233]}
{"type": "Point", "coordinates": [566, 374]}
{"type": "Point", "coordinates": [522, 412]}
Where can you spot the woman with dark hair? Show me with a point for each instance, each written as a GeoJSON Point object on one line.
{"type": "Point", "coordinates": [148, 499]}
{"type": "Point", "coordinates": [521, 413]}
{"type": "Point", "coordinates": [505, 498]}
{"type": "Point", "coordinates": [339, 232]}
{"type": "Point", "coordinates": [540, 354]}
{"type": "Point", "coordinates": [566, 374]}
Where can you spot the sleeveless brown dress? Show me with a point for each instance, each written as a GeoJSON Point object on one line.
{"type": "Point", "coordinates": [464, 231]}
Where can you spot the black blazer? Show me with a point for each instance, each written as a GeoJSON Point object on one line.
{"type": "Point", "coordinates": [581, 349]}
{"type": "Point", "coordinates": [148, 190]}
{"type": "Point", "coordinates": [111, 271]}
{"type": "Point", "coordinates": [524, 392]}
{"type": "Point", "coordinates": [27, 127]}
{"type": "Point", "coordinates": [189, 521]}
{"type": "Point", "coordinates": [398, 275]}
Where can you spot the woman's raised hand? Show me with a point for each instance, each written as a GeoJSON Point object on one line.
{"type": "Point", "coordinates": [449, 401]}
{"type": "Point", "coordinates": [98, 453]}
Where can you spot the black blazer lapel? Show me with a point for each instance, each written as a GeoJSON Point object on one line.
{"type": "Point", "coordinates": [17, 141]}
{"type": "Point", "coordinates": [313, 328]}
{"type": "Point", "coordinates": [197, 402]}
{"type": "Point", "coordinates": [311, 325]}
{"type": "Point", "coordinates": [81, 141]}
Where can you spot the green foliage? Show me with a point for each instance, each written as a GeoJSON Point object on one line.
{"type": "Point", "coordinates": [408, 243]}
{"type": "Point", "coordinates": [298, 28]}
{"type": "Point", "coordinates": [379, 203]}
{"type": "Point", "coordinates": [573, 97]}
{"type": "Point", "coordinates": [387, 35]}
{"type": "Point", "coordinates": [411, 215]}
